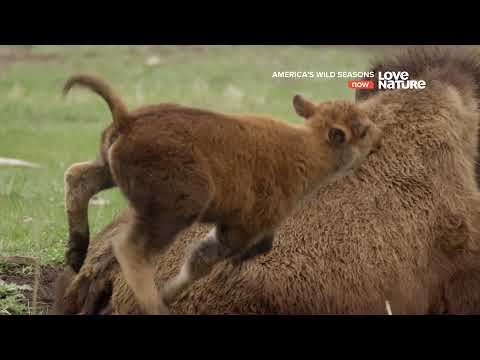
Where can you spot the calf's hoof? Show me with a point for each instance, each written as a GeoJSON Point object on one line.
{"type": "Point", "coordinates": [75, 258]}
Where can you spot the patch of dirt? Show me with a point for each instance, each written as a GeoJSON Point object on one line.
{"type": "Point", "coordinates": [24, 271]}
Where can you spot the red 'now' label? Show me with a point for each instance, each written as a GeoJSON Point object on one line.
{"type": "Point", "coordinates": [360, 84]}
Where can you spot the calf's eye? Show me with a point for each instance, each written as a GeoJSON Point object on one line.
{"type": "Point", "coordinates": [336, 136]}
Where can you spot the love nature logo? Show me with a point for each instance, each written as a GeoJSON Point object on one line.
{"type": "Point", "coordinates": [392, 80]}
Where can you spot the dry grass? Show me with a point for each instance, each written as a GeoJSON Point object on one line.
{"type": "Point", "coordinates": [389, 309]}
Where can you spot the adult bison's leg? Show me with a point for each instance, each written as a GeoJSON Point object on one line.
{"type": "Point", "coordinates": [82, 181]}
{"type": "Point", "coordinates": [88, 292]}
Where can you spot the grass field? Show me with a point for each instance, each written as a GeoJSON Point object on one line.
{"type": "Point", "coordinates": [37, 125]}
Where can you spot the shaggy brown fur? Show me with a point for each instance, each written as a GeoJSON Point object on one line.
{"type": "Point", "coordinates": [245, 173]}
{"type": "Point", "coordinates": [404, 228]}
{"type": "Point", "coordinates": [459, 68]}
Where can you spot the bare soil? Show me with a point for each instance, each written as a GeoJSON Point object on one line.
{"type": "Point", "coordinates": [42, 278]}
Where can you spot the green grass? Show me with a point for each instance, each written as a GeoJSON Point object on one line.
{"type": "Point", "coordinates": [12, 299]}
{"type": "Point", "coordinates": [37, 125]}
{"type": "Point", "coordinates": [12, 296]}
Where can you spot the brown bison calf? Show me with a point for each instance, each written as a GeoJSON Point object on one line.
{"type": "Point", "coordinates": [245, 173]}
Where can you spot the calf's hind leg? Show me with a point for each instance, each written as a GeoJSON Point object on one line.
{"type": "Point", "coordinates": [135, 254]}
{"type": "Point", "coordinates": [82, 181]}
{"type": "Point", "coordinates": [222, 242]}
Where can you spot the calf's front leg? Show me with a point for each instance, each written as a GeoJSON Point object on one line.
{"type": "Point", "coordinates": [221, 243]}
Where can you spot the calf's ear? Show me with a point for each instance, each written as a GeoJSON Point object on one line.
{"type": "Point", "coordinates": [303, 107]}
{"type": "Point", "coordinates": [359, 129]}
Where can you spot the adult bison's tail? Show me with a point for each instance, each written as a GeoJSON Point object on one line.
{"type": "Point", "coordinates": [117, 107]}
{"type": "Point", "coordinates": [459, 67]}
